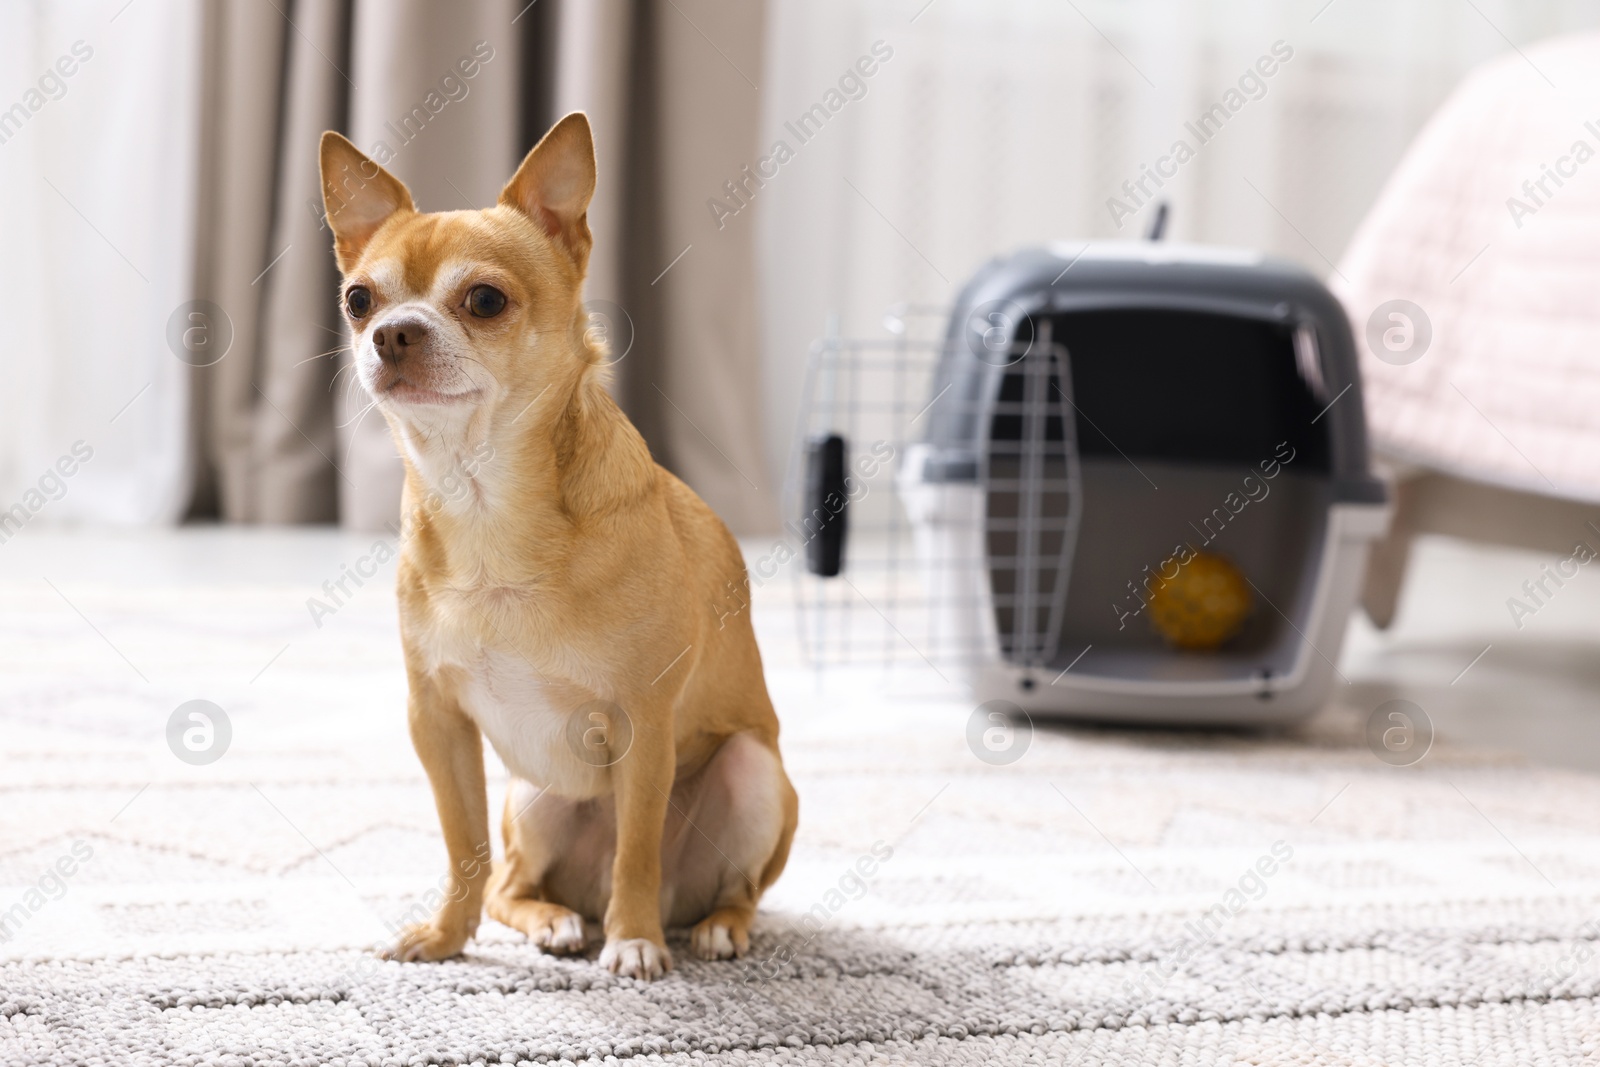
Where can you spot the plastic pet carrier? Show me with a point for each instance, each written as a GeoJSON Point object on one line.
{"type": "Point", "coordinates": [1105, 438]}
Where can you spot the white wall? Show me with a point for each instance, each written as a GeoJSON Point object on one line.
{"type": "Point", "coordinates": [997, 125]}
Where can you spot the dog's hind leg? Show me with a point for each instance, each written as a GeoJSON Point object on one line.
{"type": "Point", "coordinates": [742, 812]}
{"type": "Point", "coordinates": [515, 895]}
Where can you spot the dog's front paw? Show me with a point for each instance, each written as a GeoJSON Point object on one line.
{"type": "Point", "coordinates": [425, 941]}
{"type": "Point", "coordinates": [719, 938]}
{"type": "Point", "coordinates": [636, 957]}
{"type": "Point", "coordinates": [553, 928]}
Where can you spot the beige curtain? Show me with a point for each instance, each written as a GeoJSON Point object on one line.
{"type": "Point", "coordinates": [671, 87]}
{"type": "Point", "coordinates": [692, 381]}
{"type": "Point", "coordinates": [243, 48]}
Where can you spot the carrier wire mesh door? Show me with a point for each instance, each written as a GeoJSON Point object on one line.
{"type": "Point", "coordinates": [915, 557]}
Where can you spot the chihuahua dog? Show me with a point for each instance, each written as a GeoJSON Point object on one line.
{"type": "Point", "coordinates": [563, 603]}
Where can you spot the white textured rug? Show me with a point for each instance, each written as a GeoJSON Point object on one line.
{"type": "Point", "coordinates": [1051, 911]}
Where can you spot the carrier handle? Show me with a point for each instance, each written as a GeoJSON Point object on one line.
{"type": "Point", "coordinates": [1158, 225]}
{"type": "Point", "coordinates": [826, 504]}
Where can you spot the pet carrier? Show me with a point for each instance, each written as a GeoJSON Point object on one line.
{"type": "Point", "coordinates": [1016, 505]}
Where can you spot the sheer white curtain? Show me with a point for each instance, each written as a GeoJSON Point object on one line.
{"type": "Point", "coordinates": [176, 160]}
{"type": "Point", "coordinates": [998, 125]}
{"type": "Point", "coordinates": [96, 232]}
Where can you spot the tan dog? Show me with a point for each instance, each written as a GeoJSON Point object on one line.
{"type": "Point", "coordinates": [565, 603]}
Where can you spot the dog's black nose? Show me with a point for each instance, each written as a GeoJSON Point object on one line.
{"type": "Point", "coordinates": [394, 340]}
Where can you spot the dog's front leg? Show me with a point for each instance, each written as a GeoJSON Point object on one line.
{"type": "Point", "coordinates": [643, 783]}
{"type": "Point", "coordinates": [451, 749]}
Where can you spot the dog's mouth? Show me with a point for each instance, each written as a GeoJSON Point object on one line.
{"type": "Point", "coordinates": [400, 390]}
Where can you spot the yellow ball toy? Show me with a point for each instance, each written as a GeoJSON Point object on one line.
{"type": "Point", "coordinates": [1203, 605]}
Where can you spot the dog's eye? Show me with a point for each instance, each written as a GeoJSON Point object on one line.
{"type": "Point", "coordinates": [359, 301]}
{"type": "Point", "coordinates": [485, 301]}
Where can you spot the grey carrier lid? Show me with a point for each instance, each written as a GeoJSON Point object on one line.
{"type": "Point", "coordinates": [1185, 353]}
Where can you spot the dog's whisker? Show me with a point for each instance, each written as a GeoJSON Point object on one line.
{"type": "Point", "coordinates": [351, 447]}
{"type": "Point", "coordinates": [323, 355]}
{"type": "Point", "coordinates": [341, 370]}
{"type": "Point", "coordinates": [355, 419]}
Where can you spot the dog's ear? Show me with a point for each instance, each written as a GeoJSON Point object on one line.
{"type": "Point", "coordinates": [358, 195]}
{"type": "Point", "coordinates": [554, 184]}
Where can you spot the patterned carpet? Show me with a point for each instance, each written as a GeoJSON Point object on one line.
{"type": "Point", "coordinates": [1106, 898]}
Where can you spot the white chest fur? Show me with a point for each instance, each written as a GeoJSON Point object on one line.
{"type": "Point", "coordinates": [530, 722]}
